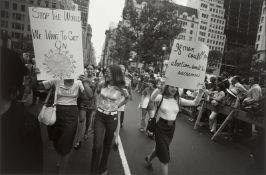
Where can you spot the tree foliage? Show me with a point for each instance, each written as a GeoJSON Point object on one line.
{"type": "Point", "coordinates": [145, 31]}
{"type": "Point", "coordinates": [239, 57]}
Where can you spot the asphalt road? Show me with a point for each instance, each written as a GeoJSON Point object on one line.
{"type": "Point", "coordinates": [192, 152]}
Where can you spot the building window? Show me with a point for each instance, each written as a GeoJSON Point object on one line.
{"type": "Point", "coordinates": [23, 8]}
{"type": "Point", "coordinates": [4, 14]}
{"type": "Point", "coordinates": [39, 2]}
{"type": "Point", "coordinates": [28, 27]}
{"type": "Point", "coordinates": [54, 6]}
{"type": "Point", "coordinates": [15, 6]}
{"type": "Point", "coordinates": [262, 18]}
{"type": "Point", "coordinates": [31, 2]}
{"type": "Point", "coordinates": [192, 25]}
{"type": "Point", "coordinates": [258, 38]}
{"type": "Point", "coordinates": [4, 23]}
{"type": "Point", "coordinates": [191, 32]}
{"type": "Point", "coordinates": [190, 38]}
{"type": "Point", "coordinates": [260, 29]}
{"type": "Point", "coordinates": [46, 4]}
{"type": "Point", "coordinates": [257, 45]}
{"type": "Point", "coordinates": [6, 4]}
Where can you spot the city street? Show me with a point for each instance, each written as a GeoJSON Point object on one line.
{"type": "Point", "coordinates": [192, 151]}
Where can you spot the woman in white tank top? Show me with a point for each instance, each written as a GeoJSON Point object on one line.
{"type": "Point", "coordinates": [165, 126]}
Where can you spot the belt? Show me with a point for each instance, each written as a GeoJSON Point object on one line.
{"type": "Point", "coordinates": [168, 122]}
{"type": "Point", "coordinates": [107, 112]}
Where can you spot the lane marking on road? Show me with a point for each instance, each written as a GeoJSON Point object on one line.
{"type": "Point", "coordinates": [123, 157]}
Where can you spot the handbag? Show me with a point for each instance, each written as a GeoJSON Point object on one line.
{"type": "Point", "coordinates": [150, 129]}
{"type": "Point", "coordinates": [47, 115]}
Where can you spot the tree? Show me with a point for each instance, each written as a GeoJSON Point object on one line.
{"type": "Point", "coordinates": [240, 57]}
{"type": "Point", "coordinates": [214, 61]}
{"type": "Point", "coordinates": [146, 31]}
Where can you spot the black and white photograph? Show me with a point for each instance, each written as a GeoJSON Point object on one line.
{"type": "Point", "coordinates": [132, 87]}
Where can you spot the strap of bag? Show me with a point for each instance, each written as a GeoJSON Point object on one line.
{"type": "Point", "coordinates": [49, 94]}
{"type": "Point", "coordinates": [55, 94]}
{"type": "Point", "coordinates": [158, 107]}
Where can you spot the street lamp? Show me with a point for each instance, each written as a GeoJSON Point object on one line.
{"type": "Point", "coordinates": [164, 49]}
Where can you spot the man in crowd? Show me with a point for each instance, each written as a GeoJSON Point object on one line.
{"type": "Point", "coordinates": [254, 93]}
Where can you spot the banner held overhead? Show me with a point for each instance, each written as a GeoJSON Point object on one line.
{"type": "Point", "coordinates": [57, 40]}
{"type": "Point", "coordinates": [187, 64]}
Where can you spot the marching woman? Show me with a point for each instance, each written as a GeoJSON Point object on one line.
{"type": "Point", "coordinates": [62, 133]}
{"type": "Point", "coordinates": [165, 126]}
{"type": "Point", "coordinates": [111, 96]}
{"type": "Point", "coordinates": [121, 110]}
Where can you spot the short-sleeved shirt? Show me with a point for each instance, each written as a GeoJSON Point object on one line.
{"type": "Point", "coordinates": [110, 97]}
{"type": "Point", "coordinates": [169, 108]}
{"type": "Point", "coordinates": [66, 95]}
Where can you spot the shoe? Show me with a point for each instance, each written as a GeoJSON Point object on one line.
{"type": "Point", "coordinates": [148, 163]}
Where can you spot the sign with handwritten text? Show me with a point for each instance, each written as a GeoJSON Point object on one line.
{"type": "Point", "coordinates": [187, 64]}
{"type": "Point", "coordinates": [57, 40]}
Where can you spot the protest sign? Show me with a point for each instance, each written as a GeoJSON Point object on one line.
{"type": "Point", "coordinates": [57, 40]}
{"type": "Point", "coordinates": [187, 64]}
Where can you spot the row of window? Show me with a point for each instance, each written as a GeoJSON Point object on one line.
{"type": "Point", "coordinates": [217, 20]}
{"type": "Point", "coordinates": [215, 31]}
{"type": "Point", "coordinates": [217, 27]}
{"type": "Point", "coordinates": [18, 26]}
{"type": "Point", "coordinates": [217, 11]}
{"type": "Point", "coordinates": [216, 48]}
{"type": "Point", "coordinates": [217, 16]}
{"type": "Point", "coordinates": [211, 35]}
{"type": "Point", "coordinates": [204, 15]}
{"type": "Point", "coordinates": [15, 6]}
{"type": "Point", "coordinates": [20, 35]}
{"type": "Point", "coordinates": [203, 27]}
{"type": "Point", "coordinates": [215, 42]}
{"type": "Point", "coordinates": [204, 5]}
{"type": "Point", "coordinates": [18, 16]}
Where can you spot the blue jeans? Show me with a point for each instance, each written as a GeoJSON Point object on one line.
{"type": "Point", "coordinates": [104, 128]}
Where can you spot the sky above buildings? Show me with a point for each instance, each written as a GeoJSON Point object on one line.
{"type": "Point", "coordinates": [102, 13]}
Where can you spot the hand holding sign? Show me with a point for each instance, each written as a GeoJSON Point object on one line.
{"type": "Point", "coordinates": [187, 64]}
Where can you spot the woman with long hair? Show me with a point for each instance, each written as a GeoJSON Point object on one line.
{"type": "Point", "coordinates": [111, 96]}
{"type": "Point", "coordinates": [169, 101]}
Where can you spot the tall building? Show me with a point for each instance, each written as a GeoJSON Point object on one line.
{"type": "Point", "coordinates": [109, 42]}
{"type": "Point", "coordinates": [242, 19]}
{"type": "Point", "coordinates": [188, 17]}
{"type": "Point", "coordinates": [260, 41]}
{"type": "Point", "coordinates": [83, 6]}
{"type": "Point", "coordinates": [15, 19]}
{"type": "Point", "coordinates": [211, 23]}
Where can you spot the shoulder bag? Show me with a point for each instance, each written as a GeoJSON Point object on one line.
{"type": "Point", "coordinates": [150, 129]}
{"type": "Point", "coordinates": [47, 115]}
